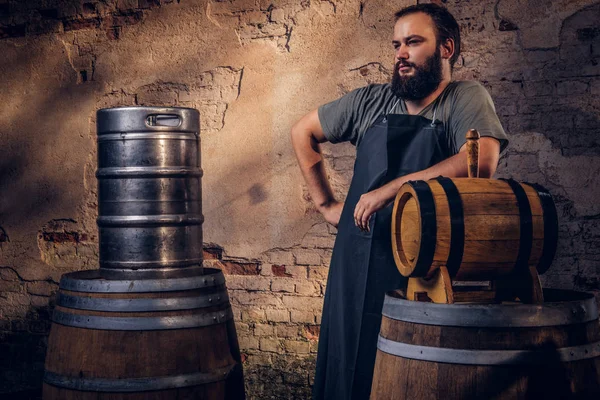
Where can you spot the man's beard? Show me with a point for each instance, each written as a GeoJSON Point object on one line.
{"type": "Point", "coordinates": [422, 83]}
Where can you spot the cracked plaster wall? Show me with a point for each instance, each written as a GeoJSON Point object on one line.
{"type": "Point", "coordinates": [252, 68]}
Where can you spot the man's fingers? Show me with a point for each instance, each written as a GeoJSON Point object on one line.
{"type": "Point", "coordinates": [364, 221]}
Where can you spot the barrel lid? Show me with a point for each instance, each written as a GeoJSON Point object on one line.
{"type": "Point", "coordinates": [562, 307]}
{"type": "Point", "coordinates": [147, 119]}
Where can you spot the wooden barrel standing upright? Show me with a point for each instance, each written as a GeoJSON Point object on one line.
{"type": "Point", "coordinates": [143, 339]}
{"type": "Point", "coordinates": [500, 351]}
{"type": "Point", "coordinates": [479, 229]}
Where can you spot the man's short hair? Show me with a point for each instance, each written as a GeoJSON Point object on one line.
{"type": "Point", "coordinates": [446, 26]}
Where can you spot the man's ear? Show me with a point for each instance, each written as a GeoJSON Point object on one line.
{"type": "Point", "coordinates": [447, 48]}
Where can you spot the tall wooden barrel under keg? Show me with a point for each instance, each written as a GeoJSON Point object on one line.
{"type": "Point", "coordinates": [150, 323]}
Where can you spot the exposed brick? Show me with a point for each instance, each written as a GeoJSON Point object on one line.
{"type": "Point", "coordinates": [212, 252]}
{"type": "Point", "coordinates": [296, 346]}
{"type": "Point", "coordinates": [41, 288]}
{"type": "Point", "coordinates": [302, 302]}
{"type": "Point", "coordinates": [302, 316]}
{"type": "Point", "coordinates": [297, 271]}
{"type": "Point", "coordinates": [264, 330]}
{"type": "Point", "coordinates": [317, 272]}
{"type": "Point", "coordinates": [277, 15]}
{"type": "Point", "coordinates": [8, 274]}
{"type": "Point", "coordinates": [252, 314]}
{"type": "Point", "coordinates": [306, 257]}
{"type": "Point", "coordinates": [40, 301]}
{"type": "Point", "coordinates": [7, 286]}
{"type": "Point", "coordinates": [238, 267]}
{"type": "Point", "coordinates": [248, 342]}
{"type": "Point", "coordinates": [270, 345]}
{"type": "Point", "coordinates": [254, 298]}
{"type": "Point", "coordinates": [64, 237]}
{"type": "Point", "coordinates": [308, 288]}
{"type": "Point", "coordinates": [281, 257]}
{"type": "Point", "coordinates": [311, 332]}
{"type": "Point", "coordinates": [287, 330]}
{"type": "Point", "coordinates": [78, 24]}
{"type": "Point", "coordinates": [280, 270]}
{"type": "Point", "coordinates": [571, 87]}
{"type": "Point", "coordinates": [278, 315]}
{"type": "Point", "coordinates": [283, 285]}
{"type": "Point", "coordinates": [244, 282]}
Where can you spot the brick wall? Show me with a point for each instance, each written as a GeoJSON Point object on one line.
{"type": "Point", "coordinates": [253, 67]}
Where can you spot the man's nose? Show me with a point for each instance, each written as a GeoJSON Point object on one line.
{"type": "Point", "coordinates": [401, 53]}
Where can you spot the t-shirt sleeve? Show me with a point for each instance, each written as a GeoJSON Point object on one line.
{"type": "Point", "coordinates": [473, 108]}
{"type": "Point", "coordinates": [342, 120]}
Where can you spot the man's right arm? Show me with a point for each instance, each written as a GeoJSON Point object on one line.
{"type": "Point", "coordinates": [307, 133]}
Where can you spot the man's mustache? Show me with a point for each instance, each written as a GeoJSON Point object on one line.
{"type": "Point", "coordinates": [404, 64]}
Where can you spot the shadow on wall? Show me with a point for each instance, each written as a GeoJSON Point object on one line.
{"type": "Point", "coordinates": [559, 97]}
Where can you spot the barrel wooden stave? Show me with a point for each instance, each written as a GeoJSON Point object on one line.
{"type": "Point", "coordinates": [491, 228]}
{"type": "Point", "coordinates": [88, 353]}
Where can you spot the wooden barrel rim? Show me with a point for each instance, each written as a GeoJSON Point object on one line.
{"type": "Point", "coordinates": [142, 304]}
{"type": "Point", "coordinates": [138, 384]}
{"type": "Point", "coordinates": [93, 281]}
{"type": "Point", "coordinates": [421, 191]}
{"type": "Point", "coordinates": [580, 308]}
{"type": "Point", "coordinates": [488, 357]}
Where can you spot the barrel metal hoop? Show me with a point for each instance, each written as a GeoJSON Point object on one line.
{"type": "Point", "coordinates": [491, 315]}
{"type": "Point", "coordinates": [172, 135]}
{"type": "Point", "coordinates": [92, 282]}
{"type": "Point", "coordinates": [526, 228]}
{"type": "Point", "coordinates": [428, 227]}
{"type": "Point", "coordinates": [148, 172]}
{"type": "Point", "coordinates": [550, 227]}
{"type": "Point", "coordinates": [457, 225]}
{"type": "Point", "coordinates": [149, 220]}
{"type": "Point", "coordinates": [141, 323]}
{"type": "Point", "coordinates": [137, 384]}
{"type": "Point", "coordinates": [138, 266]}
{"type": "Point", "coordinates": [141, 305]}
{"type": "Point", "coordinates": [489, 357]}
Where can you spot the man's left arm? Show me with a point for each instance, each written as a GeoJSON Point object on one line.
{"type": "Point", "coordinates": [453, 167]}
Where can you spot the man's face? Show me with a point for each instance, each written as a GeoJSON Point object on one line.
{"type": "Point", "coordinates": [418, 67]}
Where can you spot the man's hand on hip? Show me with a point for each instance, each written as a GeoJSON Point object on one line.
{"type": "Point", "coordinates": [332, 212]}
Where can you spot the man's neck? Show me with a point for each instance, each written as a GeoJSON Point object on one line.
{"type": "Point", "coordinates": [416, 106]}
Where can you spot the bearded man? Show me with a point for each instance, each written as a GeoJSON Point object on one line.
{"type": "Point", "coordinates": [411, 129]}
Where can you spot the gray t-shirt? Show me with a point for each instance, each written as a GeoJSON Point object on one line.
{"type": "Point", "coordinates": [463, 105]}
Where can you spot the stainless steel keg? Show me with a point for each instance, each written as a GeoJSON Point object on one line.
{"type": "Point", "coordinates": [149, 189]}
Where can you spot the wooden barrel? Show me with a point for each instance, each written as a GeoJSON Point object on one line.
{"type": "Point", "coordinates": [143, 339]}
{"type": "Point", "coordinates": [479, 229]}
{"type": "Point", "coordinates": [500, 351]}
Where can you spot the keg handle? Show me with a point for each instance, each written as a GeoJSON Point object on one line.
{"type": "Point", "coordinates": [158, 120]}
{"type": "Point", "coordinates": [473, 153]}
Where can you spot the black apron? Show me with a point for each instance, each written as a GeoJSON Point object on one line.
{"type": "Point", "coordinates": [362, 266]}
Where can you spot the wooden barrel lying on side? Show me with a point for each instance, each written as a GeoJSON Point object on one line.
{"type": "Point", "coordinates": [143, 339]}
{"type": "Point", "coordinates": [500, 351]}
{"type": "Point", "coordinates": [479, 229]}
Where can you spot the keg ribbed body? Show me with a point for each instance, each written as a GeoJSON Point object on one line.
{"type": "Point", "coordinates": [149, 188]}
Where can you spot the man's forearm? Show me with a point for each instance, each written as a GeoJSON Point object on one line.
{"type": "Point", "coordinates": [453, 167]}
{"type": "Point", "coordinates": [312, 166]}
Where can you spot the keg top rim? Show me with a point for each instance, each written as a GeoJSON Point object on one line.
{"type": "Point", "coordinates": [153, 108]}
